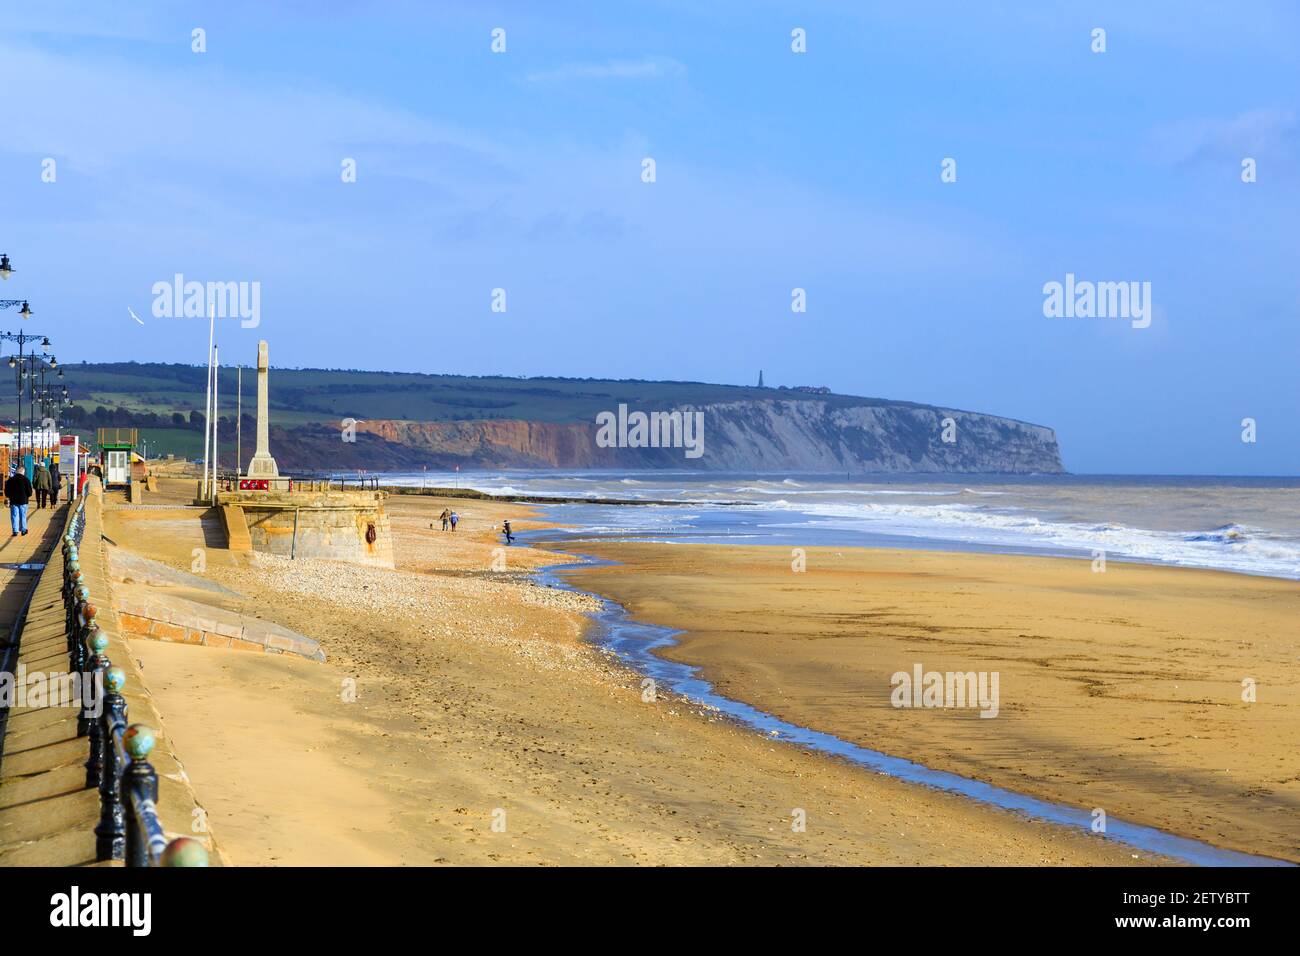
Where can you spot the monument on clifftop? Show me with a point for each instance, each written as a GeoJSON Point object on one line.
{"type": "Point", "coordinates": [262, 465]}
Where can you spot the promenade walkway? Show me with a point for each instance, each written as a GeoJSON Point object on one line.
{"type": "Point", "coordinates": [47, 816]}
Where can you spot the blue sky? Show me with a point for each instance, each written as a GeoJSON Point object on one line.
{"type": "Point", "coordinates": [775, 170]}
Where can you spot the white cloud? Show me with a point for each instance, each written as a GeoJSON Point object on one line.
{"type": "Point", "coordinates": [107, 115]}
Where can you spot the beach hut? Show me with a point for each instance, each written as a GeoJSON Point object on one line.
{"type": "Point", "coordinates": [116, 447]}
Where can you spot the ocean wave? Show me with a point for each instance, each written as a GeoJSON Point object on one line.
{"type": "Point", "coordinates": [506, 490]}
{"type": "Point", "coordinates": [1225, 534]}
{"type": "Point", "coordinates": [847, 492]}
{"type": "Point", "coordinates": [1263, 538]}
{"type": "Point", "coordinates": [1230, 547]}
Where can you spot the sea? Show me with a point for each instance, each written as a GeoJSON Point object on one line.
{"type": "Point", "coordinates": [1246, 525]}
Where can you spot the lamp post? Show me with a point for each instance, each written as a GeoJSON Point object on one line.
{"type": "Point", "coordinates": [24, 313]}
{"type": "Point", "coordinates": [24, 366]}
{"type": "Point", "coordinates": [40, 365]}
{"type": "Point", "coordinates": [21, 338]}
{"type": "Point", "coordinates": [52, 411]}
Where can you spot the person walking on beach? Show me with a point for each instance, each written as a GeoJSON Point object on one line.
{"type": "Point", "coordinates": [445, 515]}
{"type": "Point", "coordinates": [510, 538]}
{"type": "Point", "coordinates": [55, 479]}
{"type": "Point", "coordinates": [453, 517]}
{"type": "Point", "coordinates": [41, 482]}
{"type": "Point", "coordinates": [19, 491]}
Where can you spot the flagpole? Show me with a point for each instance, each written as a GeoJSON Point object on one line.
{"type": "Point", "coordinates": [239, 420]}
{"type": "Point", "coordinates": [207, 402]}
{"type": "Point", "coordinates": [216, 375]}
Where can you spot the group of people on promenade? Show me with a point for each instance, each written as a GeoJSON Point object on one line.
{"type": "Point", "coordinates": [19, 489]}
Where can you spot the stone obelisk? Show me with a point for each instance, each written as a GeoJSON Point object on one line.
{"type": "Point", "coordinates": [262, 465]}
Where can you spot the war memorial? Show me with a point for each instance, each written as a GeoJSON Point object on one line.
{"type": "Point", "coordinates": [273, 513]}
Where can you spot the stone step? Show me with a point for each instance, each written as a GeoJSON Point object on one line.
{"type": "Point", "coordinates": [236, 528]}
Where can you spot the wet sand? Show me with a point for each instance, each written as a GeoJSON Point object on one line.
{"type": "Point", "coordinates": [1119, 690]}
{"type": "Point", "coordinates": [453, 691]}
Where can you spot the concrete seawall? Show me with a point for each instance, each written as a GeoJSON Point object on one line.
{"type": "Point", "coordinates": [347, 526]}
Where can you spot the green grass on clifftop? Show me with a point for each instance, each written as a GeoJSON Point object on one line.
{"type": "Point", "coordinates": [300, 396]}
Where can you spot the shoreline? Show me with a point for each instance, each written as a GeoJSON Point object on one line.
{"type": "Point", "coordinates": [640, 576]}
{"type": "Point", "coordinates": [621, 633]}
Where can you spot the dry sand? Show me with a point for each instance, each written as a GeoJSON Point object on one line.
{"type": "Point", "coordinates": [1119, 690]}
{"type": "Point", "coordinates": [475, 693]}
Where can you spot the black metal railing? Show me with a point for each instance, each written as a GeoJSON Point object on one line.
{"type": "Point", "coordinates": [230, 481]}
{"type": "Point", "coordinates": [359, 482]}
{"type": "Point", "coordinates": [118, 763]}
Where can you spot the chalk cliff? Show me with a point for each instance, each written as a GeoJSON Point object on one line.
{"type": "Point", "coordinates": [763, 435]}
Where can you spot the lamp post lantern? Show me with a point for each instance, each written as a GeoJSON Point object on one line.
{"type": "Point", "coordinates": [24, 310]}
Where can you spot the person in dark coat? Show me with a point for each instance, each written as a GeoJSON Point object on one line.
{"type": "Point", "coordinates": [41, 482]}
{"type": "Point", "coordinates": [55, 480]}
{"type": "Point", "coordinates": [19, 491]}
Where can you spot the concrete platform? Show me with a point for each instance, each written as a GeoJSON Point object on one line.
{"type": "Point", "coordinates": [347, 526]}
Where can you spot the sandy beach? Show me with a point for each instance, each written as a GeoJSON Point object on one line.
{"type": "Point", "coordinates": [1120, 690]}
{"type": "Point", "coordinates": [456, 696]}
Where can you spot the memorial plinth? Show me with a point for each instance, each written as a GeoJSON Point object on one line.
{"type": "Point", "coordinates": [335, 525]}
{"type": "Point", "coordinates": [262, 465]}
